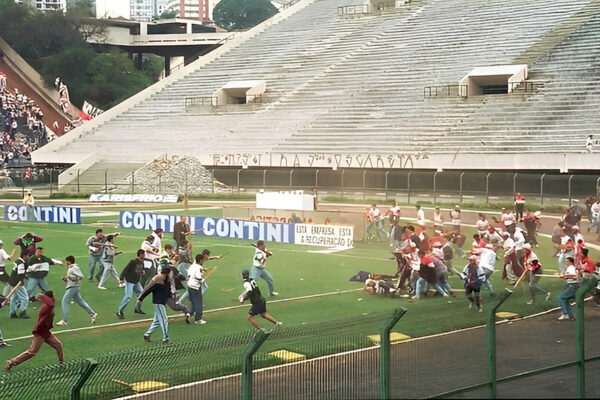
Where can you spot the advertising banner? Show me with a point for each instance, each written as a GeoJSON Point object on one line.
{"type": "Point", "coordinates": [324, 235]}
{"type": "Point", "coordinates": [60, 214]}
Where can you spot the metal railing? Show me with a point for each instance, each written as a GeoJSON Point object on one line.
{"type": "Point", "coordinates": [353, 9]}
{"type": "Point", "coordinates": [526, 87]}
{"type": "Point", "coordinates": [446, 91]}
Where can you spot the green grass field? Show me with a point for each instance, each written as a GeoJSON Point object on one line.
{"type": "Point", "coordinates": [297, 273]}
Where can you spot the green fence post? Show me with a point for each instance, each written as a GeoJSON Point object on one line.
{"type": "Point", "coordinates": [106, 181]}
{"type": "Point", "coordinates": [491, 341]}
{"type": "Point", "coordinates": [384, 352]}
{"type": "Point", "coordinates": [77, 181]}
{"type": "Point", "coordinates": [85, 375]}
{"type": "Point", "coordinates": [585, 287]}
{"type": "Point", "coordinates": [248, 354]}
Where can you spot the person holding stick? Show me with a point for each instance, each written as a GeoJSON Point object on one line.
{"type": "Point", "coordinates": [259, 303]}
{"type": "Point", "coordinates": [571, 275]}
{"type": "Point", "coordinates": [534, 269]}
{"type": "Point", "coordinates": [41, 334]}
{"type": "Point", "coordinates": [108, 261]}
{"type": "Point", "coordinates": [259, 262]}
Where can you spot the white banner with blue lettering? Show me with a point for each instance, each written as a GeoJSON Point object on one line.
{"type": "Point", "coordinates": [65, 215]}
{"type": "Point", "coordinates": [210, 226]}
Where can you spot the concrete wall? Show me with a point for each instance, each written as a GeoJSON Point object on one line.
{"type": "Point", "coordinates": [336, 217]}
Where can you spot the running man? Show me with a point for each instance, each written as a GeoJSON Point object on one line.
{"type": "Point", "coordinates": [259, 269]}
{"type": "Point", "coordinates": [41, 333]}
{"type": "Point", "coordinates": [131, 275]}
{"type": "Point", "coordinates": [571, 275]}
{"type": "Point", "coordinates": [474, 277]}
{"type": "Point", "coordinates": [160, 287]}
{"type": "Point", "coordinates": [259, 303]}
{"type": "Point", "coordinates": [109, 251]}
{"type": "Point", "coordinates": [73, 279]}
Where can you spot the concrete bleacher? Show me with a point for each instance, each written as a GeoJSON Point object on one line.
{"type": "Point", "coordinates": [355, 84]}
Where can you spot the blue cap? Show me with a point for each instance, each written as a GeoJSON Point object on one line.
{"type": "Point", "coordinates": [245, 272]}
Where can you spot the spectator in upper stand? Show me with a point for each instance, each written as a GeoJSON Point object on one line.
{"type": "Point", "coordinates": [589, 144]}
{"type": "Point", "coordinates": [21, 126]}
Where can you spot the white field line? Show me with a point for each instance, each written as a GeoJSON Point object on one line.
{"type": "Point", "coordinates": [137, 321]}
{"type": "Point", "coordinates": [141, 395]}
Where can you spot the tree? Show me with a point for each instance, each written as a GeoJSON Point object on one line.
{"type": "Point", "coordinates": [242, 14]}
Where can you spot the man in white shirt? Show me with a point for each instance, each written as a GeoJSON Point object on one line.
{"type": "Point", "coordinates": [420, 216]}
{"type": "Point", "coordinates": [567, 249]}
{"type": "Point", "coordinates": [577, 236]}
{"type": "Point", "coordinates": [508, 219]}
{"type": "Point", "coordinates": [519, 239]}
{"type": "Point", "coordinates": [568, 293]}
{"type": "Point", "coordinates": [482, 225]}
{"type": "Point", "coordinates": [194, 282]}
{"type": "Point", "coordinates": [510, 258]}
{"type": "Point", "coordinates": [375, 226]}
{"type": "Point", "coordinates": [487, 262]}
{"type": "Point", "coordinates": [455, 217]}
{"type": "Point", "coordinates": [151, 257]}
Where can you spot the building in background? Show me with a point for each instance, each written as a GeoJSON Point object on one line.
{"type": "Point", "coordinates": [45, 5]}
{"type": "Point", "coordinates": [113, 9]}
{"type": "Point", "coordinates": [193, 9]}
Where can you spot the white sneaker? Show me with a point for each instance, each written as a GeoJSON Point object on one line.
{"type": "Point", "coordinates": [200, 322]}
{"type": "Point", "coordinates": [279, 323]}
{"type": "Point", "coordinates": [275, 294]}
{"type": "Point", "coordinates": [94, 317]}
{"type": "Point", "coordinates": [529, 302]}
{"type": "Point", "coordinates": [563, 317]}
{"type": "Point", "coordinates": [470, 305]}
{"type": "Point", "coordinates": [101, 287]}
{"type": "Point", "coordinates": [61, 323]}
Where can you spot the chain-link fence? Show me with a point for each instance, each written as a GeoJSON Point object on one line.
{"type": "Point", "coordinates": [406, 186]}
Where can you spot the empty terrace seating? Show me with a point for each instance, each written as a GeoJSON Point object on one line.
{"type": "Point", "coordinates": [355, 84]}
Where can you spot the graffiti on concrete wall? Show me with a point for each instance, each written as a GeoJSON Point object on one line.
{"type": "Point", "coordinates": [319, 160]}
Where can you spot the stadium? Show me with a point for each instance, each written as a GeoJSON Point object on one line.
{"type": "Point", "coordinates": [348, 200]}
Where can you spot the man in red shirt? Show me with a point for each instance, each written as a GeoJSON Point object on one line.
{"type": "Point", "coordinates": [519, 206]}
{"type": "Point", "coordinates": [586, 265]}
{"type": "Point", "coordinates": [41, 333]}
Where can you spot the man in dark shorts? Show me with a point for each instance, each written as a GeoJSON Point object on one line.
{"type": "Point", "coordinates": [259, 304]}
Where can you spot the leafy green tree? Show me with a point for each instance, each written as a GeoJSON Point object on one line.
{"type": "Point", "coordinates": [242, 14]}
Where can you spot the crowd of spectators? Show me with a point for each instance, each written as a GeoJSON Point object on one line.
{"type": "Point", "coordinates": [22, 128]}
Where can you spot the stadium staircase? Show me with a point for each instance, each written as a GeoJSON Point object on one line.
{"type": "Point", "coordinates": [354, 83]}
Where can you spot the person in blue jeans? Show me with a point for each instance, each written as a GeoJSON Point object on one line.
{"type": "Point", "coordinates": [259, 269]}
{"type": "Point", "coordinates": [564, 297]}
{"type": "Point", "coordinates": [131, 275]}
{"type": "Point", "coordinates": [38, 266]}
{"type": "Point", "coordinates": [73, 279]}
{"type": "Point", "coordinates": [20, 298]}
{"type": "Point", "coordinates": [160, 287]}
{"type": "Point", "coordinates": [95, 245]}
